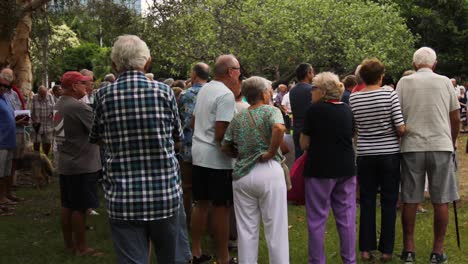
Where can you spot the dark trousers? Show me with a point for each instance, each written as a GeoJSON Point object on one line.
{"type": "Point", "coordinates": [374, 173]}
{"type": "Point", "coordinates": [297, 147]}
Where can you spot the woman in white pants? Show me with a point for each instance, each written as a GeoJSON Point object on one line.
{"type": "Point", "coordinates": [254, 136]}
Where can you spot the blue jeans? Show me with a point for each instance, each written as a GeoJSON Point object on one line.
{"type": "Point", "coordinates": [183, 253]}
{"type": "Point", "coordinates": [131, 240]}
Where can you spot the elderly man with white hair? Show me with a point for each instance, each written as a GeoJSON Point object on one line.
{"type": "Point", "coordinates": [431, 113]}
{"type": "Point", "coordinates": [138, 122]}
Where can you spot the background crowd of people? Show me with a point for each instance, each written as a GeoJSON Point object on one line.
{"type": "Point", "coordinates": [170, 154]}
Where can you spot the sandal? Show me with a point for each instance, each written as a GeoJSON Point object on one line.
{"type": "Point", "coordinates": [9, 202]}
{"type": "Point", "coordinates": [15, 198]}
{"type": "Point", "coordinates": [366, 256]}
{"type": "Point", "coordinates": [89, 252]}
{"type": "Point", "coordinates": [201, 259]}
{"type": "Point", "coordinates": [7, 213]}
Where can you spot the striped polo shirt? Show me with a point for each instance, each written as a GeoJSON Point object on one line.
{"type": "Point", "coordinates": [376, 114]}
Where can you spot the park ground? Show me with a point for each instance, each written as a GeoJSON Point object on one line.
{"type": "Point", "coordinates": [33, 234]}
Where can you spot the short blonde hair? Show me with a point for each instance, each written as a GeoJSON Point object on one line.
{"type": "Point", "coordinates": [330, 84]}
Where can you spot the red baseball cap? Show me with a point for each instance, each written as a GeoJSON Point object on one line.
{"type": "Point", "coordinates": [71, 77]}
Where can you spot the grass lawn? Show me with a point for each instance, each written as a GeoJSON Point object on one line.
{"type": "Point", "coordinates": [33, 235]}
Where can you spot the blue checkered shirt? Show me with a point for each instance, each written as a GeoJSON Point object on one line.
{"type": "Point", "coordinates": [137, 120]}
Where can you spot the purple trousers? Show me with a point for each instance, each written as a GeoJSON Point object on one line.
{"type": "Point", "coordinates": [340, 194]}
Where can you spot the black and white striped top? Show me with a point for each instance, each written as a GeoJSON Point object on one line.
{"type": "Point", "coordinates": [376, 114]}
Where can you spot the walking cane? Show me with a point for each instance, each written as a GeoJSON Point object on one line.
{"type": "Point", "coordinates": [457, 230]}
{"type": "Point", "coordinates": [456, 223]}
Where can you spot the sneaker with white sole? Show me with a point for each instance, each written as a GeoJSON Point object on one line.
{"type": "Point", "coordinates": [438, 258]}
{"type": "Point", "coordinates": [408, 257]}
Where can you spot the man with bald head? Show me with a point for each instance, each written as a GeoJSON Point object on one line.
{"type": "Point", "coordinates": [212, 179]}
{"type": "Point", "coordinates": [42, 110]}
{"type": "Point", "coordinates": [199, 76]}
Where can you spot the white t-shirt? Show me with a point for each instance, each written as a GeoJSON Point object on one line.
{"type": "Point", "coordinates": [215, 102]}
{"type": "Point", "coordinates": [286, 103]}
{"type": "Point", "coordinates": [426, 101]}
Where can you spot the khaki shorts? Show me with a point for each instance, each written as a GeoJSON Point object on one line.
{"type": "Point", "coordinates": [45, 138]}
{"type": "Point", "coordinates": [20, 146]}
{"type": "Point", "coordinates": [6, 157]}
{"type": "Point", "coordinates": [441, 175]}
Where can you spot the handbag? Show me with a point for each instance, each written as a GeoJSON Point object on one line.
{"type": "Point", "coordinates": [297, 193]}
{"type": "Point", "coordinates": [285, 167]}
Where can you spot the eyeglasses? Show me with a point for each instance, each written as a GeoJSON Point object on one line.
{"type": "Point", "coordinates": [234, 68]}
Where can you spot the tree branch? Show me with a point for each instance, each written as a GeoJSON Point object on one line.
{"type": "Point", "coordinates": [31, 6]}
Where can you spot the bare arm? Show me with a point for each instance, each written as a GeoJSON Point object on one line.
{"type": "Point", "coordinates": [277, 134]}
{"type": "Point", "coordinates": [401, 130]}
{"type": "Point", "coordinates": [192, 122]}
{"type": "Point", "coordinates": [304, 141]}
{"type": "Point", "coordinates": [455, 126]}
{"type": "Point", "coordinates": [229, 149]}
{"type": "Point", "coordinates": [220, 129]}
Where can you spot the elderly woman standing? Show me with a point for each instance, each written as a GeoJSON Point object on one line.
{"type": "Point", "coordinates": [329, 170]}
{"type": "Point", "coordinates": [379, 124]}
{"type": "Point", "coordinates": [258, 179]}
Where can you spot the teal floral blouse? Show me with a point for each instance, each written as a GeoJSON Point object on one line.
{"type": "Point", "coordinates": [247, 138]}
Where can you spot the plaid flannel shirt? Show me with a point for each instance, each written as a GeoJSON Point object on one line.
{"type": "Point", "coordinates": [42, 111]}
{"type": "Point", "coordinates": [138, 121]}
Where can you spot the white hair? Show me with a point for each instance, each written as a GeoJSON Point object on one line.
{"type": "Point", "coordinates": [149, 75]}
{"type": "Point", "coordinates": [7, 77]}
{"type": "Point", "coordinates": [129, 53]}
{"type": "Point", "coordinates": [109, 77]}
{"type": "Point", "coordinates": [424, 56]}
{"type": "Point", "coordinates": [253, 88]}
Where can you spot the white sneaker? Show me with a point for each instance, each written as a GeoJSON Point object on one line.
{"type": "Point", "coordinates": [92, 212]}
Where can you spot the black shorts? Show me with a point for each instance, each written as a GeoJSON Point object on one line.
{"type": "Point", "coordinates": [79, 192]}
{"type": "Point", "coordinates": [212, 185]}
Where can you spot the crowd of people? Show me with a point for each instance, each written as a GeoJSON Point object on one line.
{"type": "Point", "coordinates": [176, 158]}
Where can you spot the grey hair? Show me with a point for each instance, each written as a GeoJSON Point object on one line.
{"type": "Point", "coordinates": [109, 77]}
{"type": "Point", "coordinates": [223, 63]}
{"type": "Point", "coordinates": [86, 72]}
{"type": "Point", "coordinates": [424, 56]}
{"type": "Point", "coordinates": [7, 77]}
{"type": "Point", "coordinates": [129, 53]}
{"type": "Point", "coordinates": [149, 75]}
{"type": "Point", "coordinates": [253, 88]}
{"type": "Point", "coordinates": [330, 84]}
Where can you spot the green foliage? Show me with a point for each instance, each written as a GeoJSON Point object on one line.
{"type": "Point", "coordinates": [98, 21]}
{"type": "Point", "coordinates": [87, 56]}
{"type": "Point", "coordinates": [442, 25]}
{"type": "Point", "coordinates": [80, 57]}
{"type": "Point", "coordinates": [48, 49]}
{"type": "Point", "coordinates": [271, 37]}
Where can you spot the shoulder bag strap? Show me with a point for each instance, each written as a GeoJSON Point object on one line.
{"type": "Point", "coordinates": [258, 130]}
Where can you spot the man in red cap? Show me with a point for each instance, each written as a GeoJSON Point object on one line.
{"type": "Point", "coordinates": [79, 163]}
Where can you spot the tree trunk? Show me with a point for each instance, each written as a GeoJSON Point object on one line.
{"type": "Point", "coordinates": [20, 60]}
{"type": "Point", "coordinates": [5, 52]}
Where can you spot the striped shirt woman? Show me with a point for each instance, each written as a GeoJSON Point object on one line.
{"type": "Point", "coordinates": [378, 122]}
{"type": "Point", "coordinates": [377, 114]}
